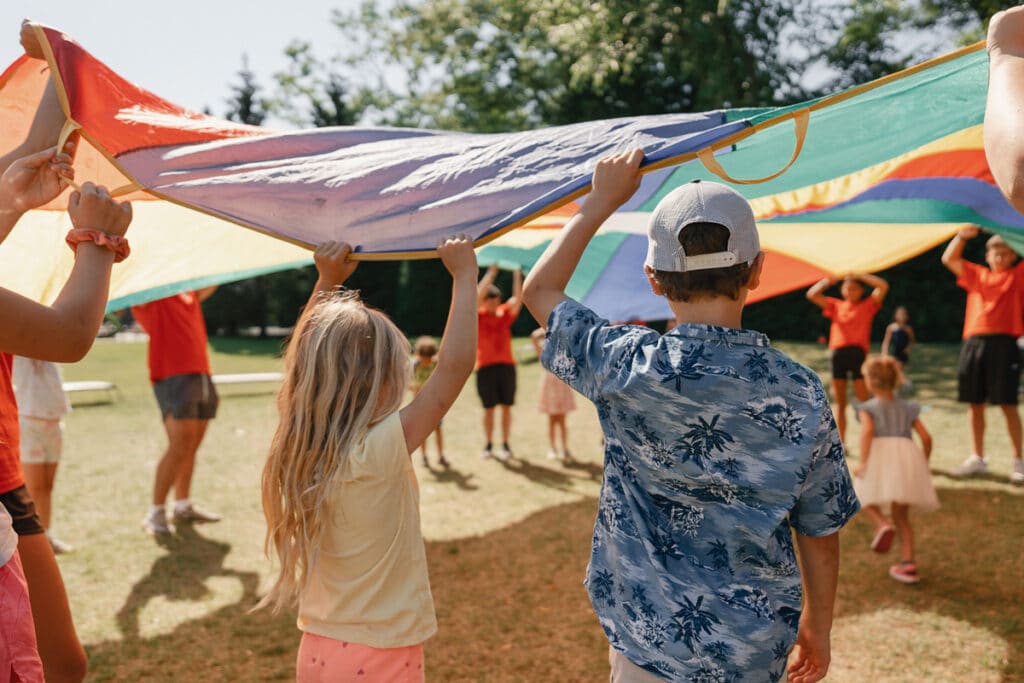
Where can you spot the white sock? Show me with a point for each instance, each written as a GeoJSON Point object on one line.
{"type": "Point", "coordinates": [155, 511]}
{"type": "Point", "coordinates": [183, 504]}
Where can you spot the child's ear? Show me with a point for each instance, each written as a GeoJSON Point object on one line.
{"type": "Point", "coordinates": [755, 272]}
{"type": "Point", "coordinates": [655, 287]}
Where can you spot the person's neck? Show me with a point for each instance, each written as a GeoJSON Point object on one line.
{"type": "Point", "coordinates": [719, 311]}
{"type": "Point", "coordinates": [887, 395]}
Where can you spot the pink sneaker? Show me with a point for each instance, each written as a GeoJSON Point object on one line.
{"type": "Point", "coordinates": [883, 539]}
{"type": "Point", "coordinates": [904, 572]}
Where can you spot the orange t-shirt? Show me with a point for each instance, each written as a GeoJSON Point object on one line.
{"type": "Point", "coordinates": [11, 476]}
{"type": "Point", "coordinates": [494, 338]}
{"type": "Point", "coordinates": [177, 336]}
{"type": "Point", "coordinates": [851, 322]}
{"type": "Point", "coordinates": [995, 301]}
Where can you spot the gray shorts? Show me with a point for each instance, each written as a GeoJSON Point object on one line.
{"type": "Point", "coordinates": [187, 397]}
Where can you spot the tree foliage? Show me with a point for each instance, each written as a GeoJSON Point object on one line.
{"type": "Point", "coordinates": [246, 104]}
{"type": "Point", "coordinates": [501, 65]}
{"type": "Point", "coordinates": [861, 40]}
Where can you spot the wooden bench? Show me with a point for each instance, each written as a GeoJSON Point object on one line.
{"type": "Point", "coordinates": [246, 378]}
{"type": "Point", "coordinates": [109, 389]}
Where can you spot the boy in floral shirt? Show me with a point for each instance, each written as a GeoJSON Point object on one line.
{"type": "Point", "coordinates": [717, 447]}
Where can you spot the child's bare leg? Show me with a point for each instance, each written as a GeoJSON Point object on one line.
{"type": "Point", "coordinates": [506, 422]}
{"type": "Point", "coordinates": [839, 392]}
{"type": "Point", "coordinates": [860, 390]}
{"type": "Point", "coordinates": [440, 441]}
{"type": "Point", "coordinates": [976, 416]}
{"type": "Point", "coordinates": [901, 519]}
{"type": "Point", "coordinates": [874, 513]}
{"type": "Point", "coordinates": [1013, 426]}
{"type": "Point", "coordinates": [560, 424]}
{"type": "Point", "coordinates": [39, 478]}
{"type": "Point", "coordinates": [489, 424]}
{"type": "Point", "coordinates": [552, 421]}
{"type": "Point", "coordinates": [59, 648]}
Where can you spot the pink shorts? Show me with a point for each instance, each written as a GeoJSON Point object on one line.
{"type": "Point", "coordinates": [19, 656]}
{"type": "Point", "coordinates": [326, 659]}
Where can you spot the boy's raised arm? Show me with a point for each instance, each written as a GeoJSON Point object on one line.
{"type": "Point", "coordinates": [515, 302]}
{"type": "Point", "coordinates": [816, 294]}
{"type": "Point", "coordinates": [485, 283]}
{"type": "Point", "coordinates": [616, 178]}
{"type": "Point", "coordinates": [952, 257]}
{"type": "Point", "coordinates": [879, 287]}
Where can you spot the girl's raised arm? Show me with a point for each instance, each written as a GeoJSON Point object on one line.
{"type": "Point", "coordinates": [457, 354]}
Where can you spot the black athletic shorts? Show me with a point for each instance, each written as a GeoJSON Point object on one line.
{"type": "Point", "coordinates": [846, 361]}
{"type": "Point", "coordinates": [187, 397]}
{"type": "Point", "coordinates": [496, 385]}
{"type": "Point", "coordinates": [989, 370]}
{"type": "Point", "coordinates": [23, 511]}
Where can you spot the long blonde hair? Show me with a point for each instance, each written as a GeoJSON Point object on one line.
{"type": "Point", "coordinates": [346, 369]}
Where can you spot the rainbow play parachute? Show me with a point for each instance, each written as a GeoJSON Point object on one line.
{"type": "Point", "coordinates": [872, 176]}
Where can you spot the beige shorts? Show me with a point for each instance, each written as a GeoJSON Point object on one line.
{"type": "Point", "coordinates": [625, 671]}
{"type": "Point", "coordinates": [41, 440]}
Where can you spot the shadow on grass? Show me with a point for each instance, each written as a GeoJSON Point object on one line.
{"type": "Point", "coordinates": [450, 475]}
{"type": "Point", "coordinates": [511, 605]}
{"type": "Point", "coordinates": [181, 575]}
{"type": "Point", "coordinates": [593, 470]}
{"type": "Point", "coordinates": [545, 476]}
{"type": "Point", "coordinates": [969, 553]}
{"type": "Point", "coordinates": [504, 614]}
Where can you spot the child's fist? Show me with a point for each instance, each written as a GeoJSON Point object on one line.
{"type": "Point", "coordinates": [617, 177]}
{"type": "Point", "coordinates": [333, 263]}
{"type": "Point", "coordinates": [969, 232]}
{"type": "Point", "coordinates": [92, 207]}
{"type": "Point", "coordinates": [1006, 33]}
{"type": "Point", "coordinates": [457, 254]}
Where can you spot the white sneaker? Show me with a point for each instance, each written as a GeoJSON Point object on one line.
{"type": "Point", "coordinates": [156, 524]}
{"type": "Point", "coordinates": [191, 513]}
{"type": "Point", "coordinates": [1017, 476]}
{"type": "Point", "coordinates": [972, 466]}
{"type": "Point", "coordinates": [552, 454]}
{"type": "Point", "coordinates": [503, 453]}
{"type": "Point", "coordinates": [487, 452]}
{"type": "Point", "coordinates": [59, 546]}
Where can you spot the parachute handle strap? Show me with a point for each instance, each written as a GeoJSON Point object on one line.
{"type": "Point", "coordinates": [801, 119]}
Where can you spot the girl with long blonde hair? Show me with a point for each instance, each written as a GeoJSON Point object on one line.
{"type": "Point", "coordinates": [339, 492]}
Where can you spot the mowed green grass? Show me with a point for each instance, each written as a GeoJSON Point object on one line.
{"type": "Point", "coordinates": [507, 545]}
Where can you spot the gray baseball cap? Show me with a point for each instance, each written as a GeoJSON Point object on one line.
{"type": "Point", "coordinates": [701, 202]}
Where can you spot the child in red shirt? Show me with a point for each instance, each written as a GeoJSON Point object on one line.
{"type": "Point", "coordinates": [495, 364]}
{"type": "Point", "coordinates": [849, 338]}
{"type": "Point", "coordinates": [989, 369]}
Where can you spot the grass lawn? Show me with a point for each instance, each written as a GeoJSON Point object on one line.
{"type": "Point", "coordinates": [507, 545]}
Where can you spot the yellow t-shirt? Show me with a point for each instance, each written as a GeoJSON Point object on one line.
{"type": "Point", "coordinates": [370, 585]}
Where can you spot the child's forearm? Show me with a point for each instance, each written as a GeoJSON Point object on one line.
{"type": "Point", "coordinates": [457, 354]}
{"type": "Point", "coordinates": [485, 282]}
{"type": "Point", "coordinates": [546, 283]}
{"type": "Point", "coordinates": [615, 180]}
{"type": "Point", "coordinates": [65, 331]}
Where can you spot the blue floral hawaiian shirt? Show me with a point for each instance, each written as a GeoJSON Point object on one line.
{"type": "Point", "coordinates": [716, 446]}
